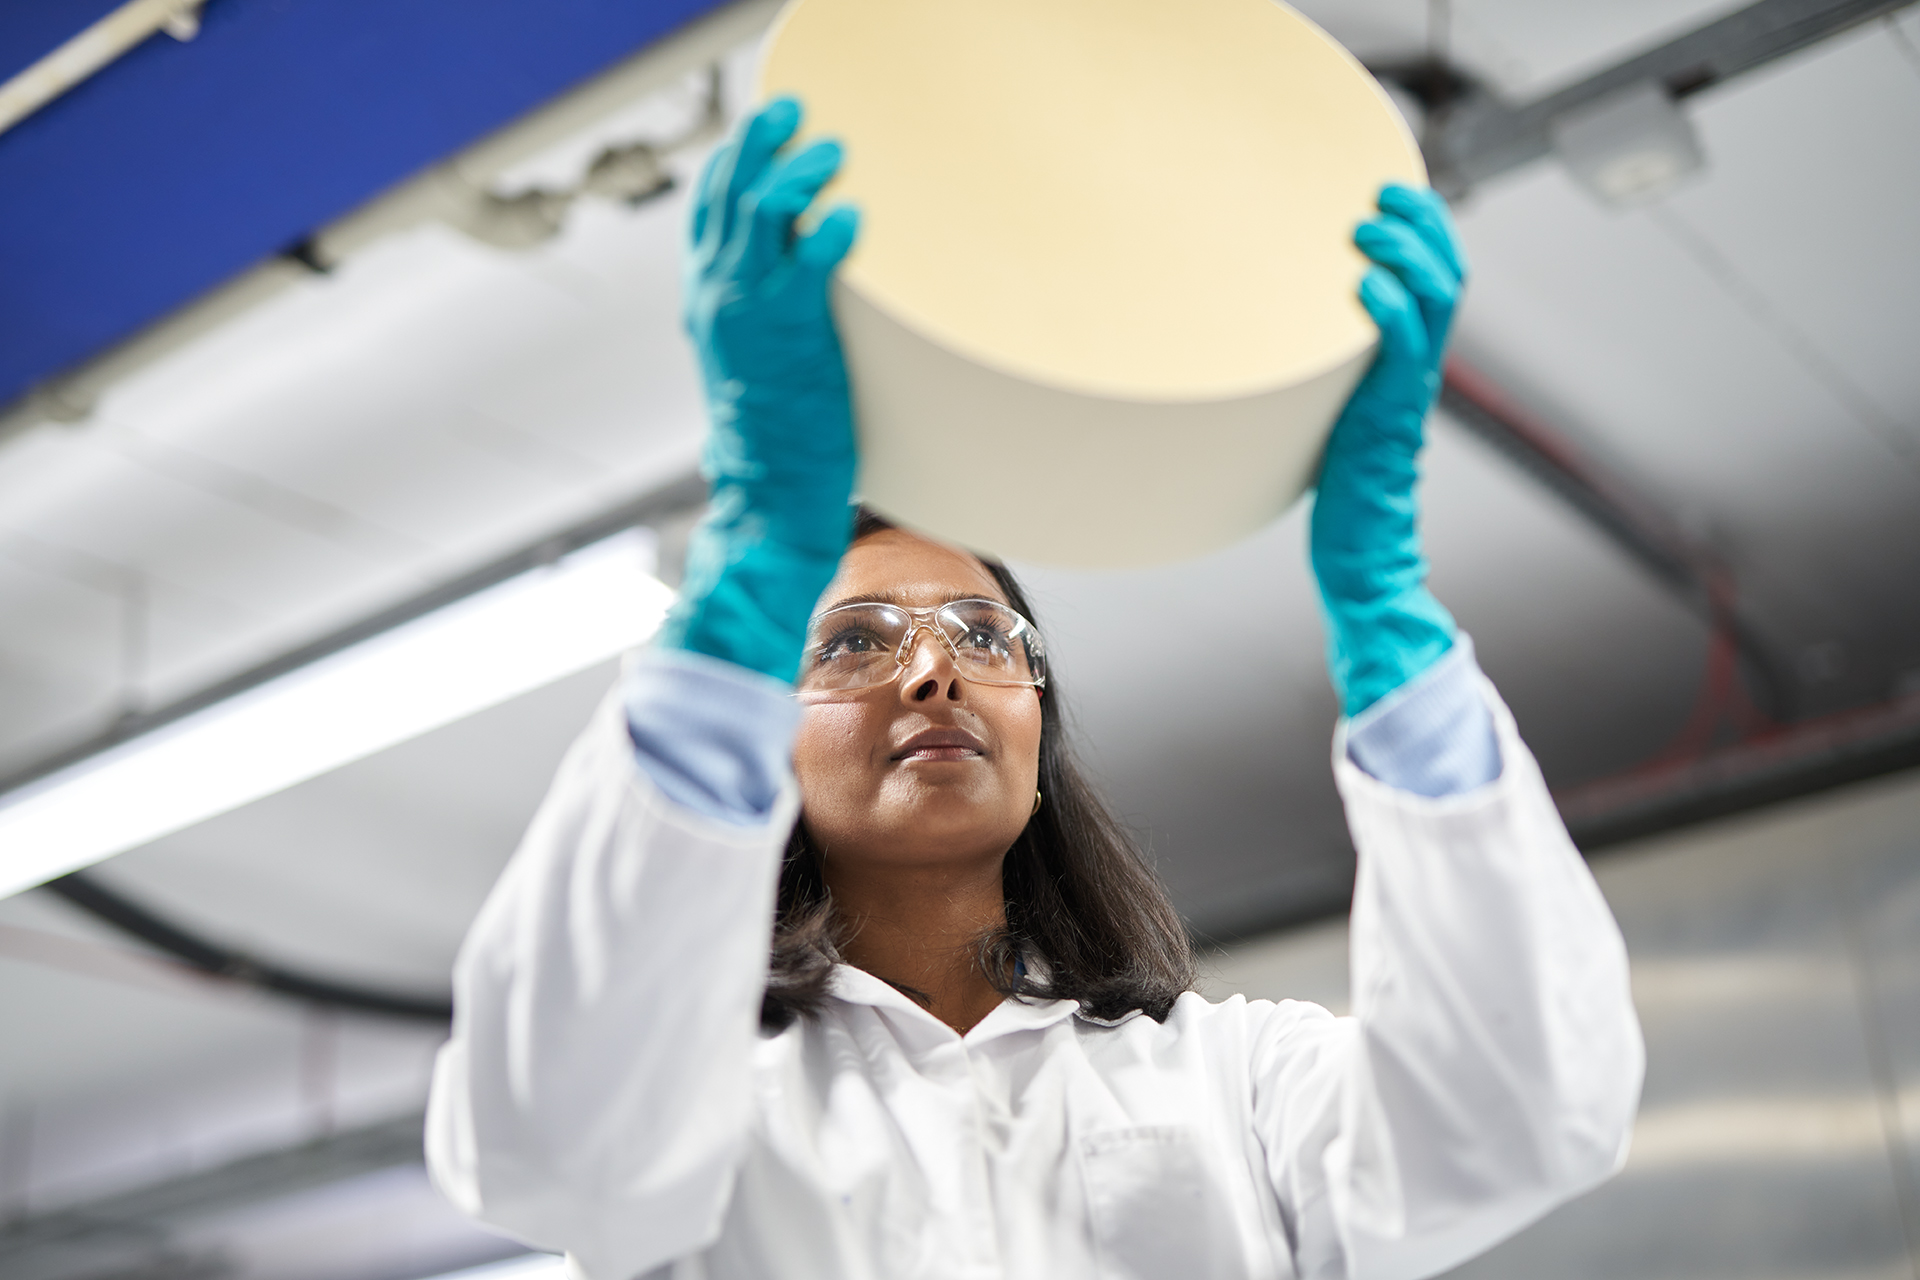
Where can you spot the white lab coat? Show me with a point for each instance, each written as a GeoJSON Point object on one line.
{"type": "Point", "coordinates": [607, 1092]}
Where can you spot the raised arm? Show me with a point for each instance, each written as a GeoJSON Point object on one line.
{"type": "Point", "coordinates": [1492, 1064]}
{"type": "Point", "coordinates": [1405, 678]}
{"type": "Point", "coordinates": [595, 1094]}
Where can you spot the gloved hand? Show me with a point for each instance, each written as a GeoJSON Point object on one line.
{"type": "Point", "coordinates": [1383, 626]}
{"type": "Point", "coordinates": [780, 453]}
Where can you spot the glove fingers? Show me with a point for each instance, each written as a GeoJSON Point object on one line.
{"type": "Point", "coordinates": [1404, 343]}
{"type": "Point", "coordinates": [781, 196]}
{"type": "Point", "coordinates": [1393, 244]}
{"type": "Point", "coordinates": [738, 165]}
{"type": "Point", "coordinates": [822, 250]}
{"type": "Point", "coordinates": [1396, 246]}
{"type": "Point", "coordinates": [1428, 214]}
{"type": "Point", "coordinates": [703, 201]}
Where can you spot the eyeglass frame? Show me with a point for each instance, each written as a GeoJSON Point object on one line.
{"type": "Point", "coordinates": [923, 620]}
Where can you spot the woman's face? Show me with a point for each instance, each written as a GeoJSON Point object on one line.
{"type": "Point", "coordinates": [930, 768]}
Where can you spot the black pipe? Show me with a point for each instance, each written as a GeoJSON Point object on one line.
{"type": "Point", "coordinates": [123, 913]}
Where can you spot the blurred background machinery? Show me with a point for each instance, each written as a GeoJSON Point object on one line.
{"type": "Point", "coordinates": [339, 343]}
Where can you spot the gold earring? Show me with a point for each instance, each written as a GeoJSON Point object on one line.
{"type": "Point", "coordinates": [1036, 803]}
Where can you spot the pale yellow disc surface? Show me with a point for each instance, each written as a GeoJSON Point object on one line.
{"type": "Point", "coordinates": [1145, 200]}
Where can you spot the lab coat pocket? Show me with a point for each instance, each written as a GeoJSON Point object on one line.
{"type": "Point", "coordinates": [1155, 1211]}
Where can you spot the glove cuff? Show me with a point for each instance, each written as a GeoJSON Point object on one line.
{"type": "Point", "coordinates": [1376, 646]}
{"type": "Point", "coordinates": [747, 594]}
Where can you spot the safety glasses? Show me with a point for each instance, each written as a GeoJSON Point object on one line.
{"type": "Point", "coordinates": [861, 646]}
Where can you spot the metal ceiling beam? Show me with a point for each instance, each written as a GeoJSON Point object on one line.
{"type": "Point", "coordinates": [1807, 758]}
{"type": "Point", "coordinates": [1472, 135]}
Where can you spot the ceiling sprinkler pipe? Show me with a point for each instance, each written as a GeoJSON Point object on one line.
{"type": "Point", "coordinates": [100, 44]}
{"type": "Point", "coordinates": [210, 958]}
{"type": "Point", "coordinates": [1638, 526]}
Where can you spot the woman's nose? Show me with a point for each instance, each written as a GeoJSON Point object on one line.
{"type": "Point", "coordinates": [930, 673]}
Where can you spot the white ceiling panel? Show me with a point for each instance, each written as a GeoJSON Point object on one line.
{"type": "Point", "coordinates": [1816, 177]}
{"type": "Point", "coordinates": [1723, 350]}
{"type": "Point", "coordinates": [1599, 661]}
{"type": "Point", "coordinates": [1640, 348]}
{"type": "Point", "coordinates": [1905, 30]}
{"type": "Point", "coordinates": [440, 389]}
{"type": "Point", "coordinates": [63, 676]}
{"type": "Point", "coordinates": [217, 1073]}
{"type": "Point", "coordinates": [205, 552]}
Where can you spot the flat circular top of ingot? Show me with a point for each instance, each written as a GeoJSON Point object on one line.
{"type": "Point", "coordinates": [1145, 200]}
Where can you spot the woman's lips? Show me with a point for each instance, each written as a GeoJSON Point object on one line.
{"type": "Point", "coordinates": [941, 753]}
{"type": "Point", "coordinates": [941, 745]}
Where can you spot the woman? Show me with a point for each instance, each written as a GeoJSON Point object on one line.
{"type": "Point", "coordinates": [973, 1051]}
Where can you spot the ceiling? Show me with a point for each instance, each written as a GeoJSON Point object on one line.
{"type": "Point", "coordinates": [1738, 352]}
{"type": "Point", "coordinates": [179, 191]}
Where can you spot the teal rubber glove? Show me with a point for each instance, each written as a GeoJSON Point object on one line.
{"type": "Point", "coordinates": [1383, 626]}
{"type": "Point", "coordinates": [779, 457]}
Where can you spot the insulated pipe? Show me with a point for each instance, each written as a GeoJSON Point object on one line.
{"type": "Point", "coordinates": [103, 42]}
{"type": "Point", "coordinates": [130, 917]}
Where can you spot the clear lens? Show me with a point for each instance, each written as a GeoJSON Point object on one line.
{"type": "Point", "coordinates": [853, 646]}
{"type": "Point", "coordinates": [860, 645]}
{"type": "Point", "coordinates": [994, 644]}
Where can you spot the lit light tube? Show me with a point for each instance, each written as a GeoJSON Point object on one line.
{"type": "Point", "coordinates": [470, 655]}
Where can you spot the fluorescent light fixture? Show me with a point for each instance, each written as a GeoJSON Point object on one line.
{"type": "Point", "coordinates": [1628, 147]}
{"type": "Point", "coordinates": [470, 655]}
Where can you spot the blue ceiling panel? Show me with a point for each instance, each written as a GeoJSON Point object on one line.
{"type": "Point", "coordinates": [29, 32]}
{"type": "Point", "coordinates": [181, 165]}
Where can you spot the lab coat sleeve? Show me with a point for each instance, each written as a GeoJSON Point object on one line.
{"type": "Point", "coordinates": [1492, 1065]}
{"type": "Point", "coordinates": [595, 1094]}
{"type": "Point", "coordinates": [1434, 735]}
{"type": "Point", "coordinates": [712, 737]}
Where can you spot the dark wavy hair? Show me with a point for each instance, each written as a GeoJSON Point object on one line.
{"type": "Point", "coordinates": [1079, 895]}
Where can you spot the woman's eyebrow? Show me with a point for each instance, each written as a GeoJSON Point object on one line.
{"type": "Point", "coordinates": [871, 597]}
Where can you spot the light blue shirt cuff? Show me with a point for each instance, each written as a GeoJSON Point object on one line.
{"type": "Point", "coordinates": [1434, 735]}
{"type": "Point", "coordinates": [714, 737]}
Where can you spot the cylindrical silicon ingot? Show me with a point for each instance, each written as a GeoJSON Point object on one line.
{"type": "Point", "coordinates": [1102, 308]}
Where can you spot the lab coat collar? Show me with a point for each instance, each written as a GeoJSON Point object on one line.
{"type": "Point", "coordinates": [1015, 1013]}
